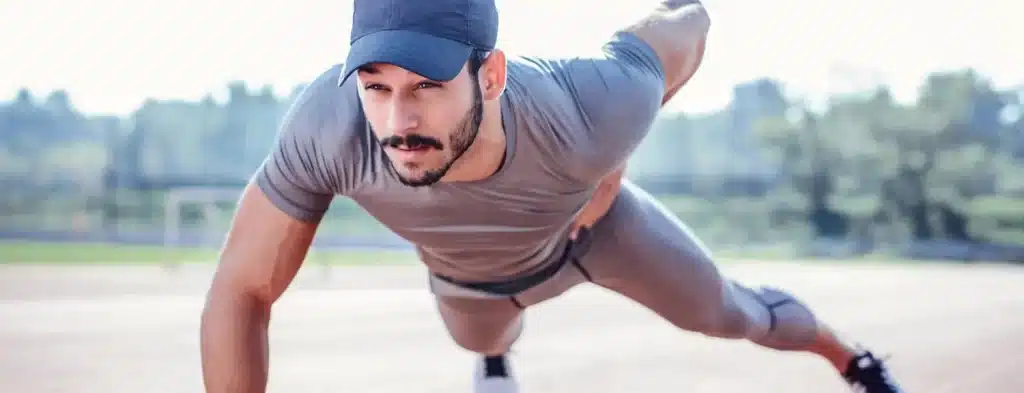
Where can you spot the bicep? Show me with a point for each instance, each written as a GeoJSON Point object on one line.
{"type": "Point", "coordinates": [264, 248]}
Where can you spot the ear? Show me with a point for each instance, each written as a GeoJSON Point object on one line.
{"type": "Point", "coordinates": [492, 75]}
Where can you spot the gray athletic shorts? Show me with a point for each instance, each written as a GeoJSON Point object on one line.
{"type": "Point", "coordinates": [644, 252]}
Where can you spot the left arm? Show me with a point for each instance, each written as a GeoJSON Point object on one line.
{"type": "Point", "coordinates": [677, 32]}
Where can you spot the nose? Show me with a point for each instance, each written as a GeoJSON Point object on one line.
{"type": "Point", "coordinates": [402, 117]}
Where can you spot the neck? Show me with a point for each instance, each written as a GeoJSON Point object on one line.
{"type": "Point", "coordinates": [485, 155]}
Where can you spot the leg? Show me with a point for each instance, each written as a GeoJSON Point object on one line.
{"type": "Point", "coordinates": [490, 325]}
{"type": "Point", "coordinates": [645, 253]}
{"type": "Point", "coordinates": [487, 327]}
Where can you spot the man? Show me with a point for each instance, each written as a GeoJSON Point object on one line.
{"type": "Point", "coordinates": [506, 175]}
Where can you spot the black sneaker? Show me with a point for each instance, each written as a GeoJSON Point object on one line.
{"type": "Point", "coordinates": [493, 374]}
{"type": "Point", "coordinates": [867, 374]}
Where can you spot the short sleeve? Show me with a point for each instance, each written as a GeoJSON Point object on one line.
{"type": "Point", "coordinates": [310, 162]}
{"type": "Point", "coordinates": [618, 92]}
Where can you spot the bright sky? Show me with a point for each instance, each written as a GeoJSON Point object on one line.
{"type": "Point", "coordinates": [111, 54]}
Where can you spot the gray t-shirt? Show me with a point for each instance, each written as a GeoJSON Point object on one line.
{"type": "Point", "coordinates": [568, 122]}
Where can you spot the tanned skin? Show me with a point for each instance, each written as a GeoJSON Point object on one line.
{"type": "Point", "coordinates": [261, 256]}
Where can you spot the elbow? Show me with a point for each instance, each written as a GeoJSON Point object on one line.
{"type": "Point", "coordinates": [698, 26]}
{"type": "Point", "coordinates": [696, 12]}
{"type": "Point", "coordinates": [232, 291]}
{"type": "Point", "coordinates": [227, 306]}
{"type": "Point", "coordinates": [610, 185]}
{"type": "Point", "coordinates": [688, 13]}
{"type": "Point", "coordinates": [703, 21]}
{"type": "Point", "coordinates": [689, 53]}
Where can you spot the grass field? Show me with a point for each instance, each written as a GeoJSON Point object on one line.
{"type": "Point", "coordinates": [24, 252]}
{"type": "Point", "coordinates": [28, 252]}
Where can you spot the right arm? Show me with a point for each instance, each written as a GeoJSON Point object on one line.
{"type": "Point", "coordinates": [261, 255]}
{"type": "Point", "coordinates": [277, 217]}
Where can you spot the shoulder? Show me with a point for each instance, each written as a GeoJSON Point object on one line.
{"type": "Point", "coordinates": [622, 61]}
{"type": "Point", "coordinates": [619, 83]}
{"type": "Point", "coordinates": [599, 104]}
{"type": "Point", "coordinates": [323, 137]}
{"type": "Point", "coordinates": [325, 109]}
{"type": "Point", "coordinates": [327, 118]}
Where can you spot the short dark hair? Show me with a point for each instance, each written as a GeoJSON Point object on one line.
{"type": "Point", "coordinates": [476, 60]}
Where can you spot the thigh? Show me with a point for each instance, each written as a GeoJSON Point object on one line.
{"type": "Point", "coordinates": [489, 323]}
{"type": "Point", "coordinates": [644, 252]}
{"type": "Point", "coordinates": [488, 326]}
{"type": "Point", "coordinates": [486, 323]}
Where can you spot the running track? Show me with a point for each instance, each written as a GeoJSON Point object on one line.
{"type": "Point", "coordinates": [134, 329]}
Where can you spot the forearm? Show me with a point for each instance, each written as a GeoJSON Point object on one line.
{"type": "Point", "coordinates": [610, 183]}
{"type": "Point", "coordinates": [600, 201]}
{"type": "Point", "coordinates": [608, 189]}
{"type": "Point", "coordinates": [233, 340]}
{"type": "Point", "coordinates": [677, 31]}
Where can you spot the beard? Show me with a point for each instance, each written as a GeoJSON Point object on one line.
{"type": "Point", "coordinates": [459, 141]}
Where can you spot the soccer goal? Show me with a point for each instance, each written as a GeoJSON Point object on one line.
{"type": "Point", "coordinates": [197, 216]}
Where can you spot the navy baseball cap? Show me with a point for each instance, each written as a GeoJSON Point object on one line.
{"type": "Point", "coordinates": [433, 38]}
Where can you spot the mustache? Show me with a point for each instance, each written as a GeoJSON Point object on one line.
{"type": "Point", "coordinates": [411, 141]}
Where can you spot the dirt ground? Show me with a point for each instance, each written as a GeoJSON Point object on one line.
{"type": "Point", "coordinates": [365, 329]}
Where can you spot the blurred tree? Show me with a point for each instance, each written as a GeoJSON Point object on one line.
{"type": "Point", "coordinates": [869, 157]}
{"type": "Point", "coordinates": [808, 155]}
{"type": "Point", "coordinates": [944, 149]}
{"type": "Point", "coordinates": [948, 166]}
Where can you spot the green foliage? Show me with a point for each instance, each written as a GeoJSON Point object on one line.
{"type": "Point", "coordinates": [16, 252]}
{"type": "Point", "coordinates": [867, 157]}
{"type": "Point", "coordinates": [769, 169]}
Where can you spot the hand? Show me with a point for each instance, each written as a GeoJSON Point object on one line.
{"type": "Point", "coordinates": [599, 203]}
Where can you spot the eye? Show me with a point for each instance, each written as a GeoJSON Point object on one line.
{"type": "Point", "coordinates": [427, 85]}
{"type": "Point", "coordinates": [374, 86]}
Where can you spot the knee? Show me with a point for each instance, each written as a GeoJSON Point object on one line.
{"type": "Point", "coordinates": [485, 327]}
{"type": "Point", "coordinates": [487, 341]}
{"type": "Point", "coordinates": [792, 325]}
{"type": "Point", "coordinates": [482, 347]}
{"type": "Point", "coordinates": [764, 315]}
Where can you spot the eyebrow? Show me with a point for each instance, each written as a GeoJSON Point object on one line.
{"type": "Point", "coordinates": [372, 69]}
{"type": "Point", "coordinates": [368, 68]}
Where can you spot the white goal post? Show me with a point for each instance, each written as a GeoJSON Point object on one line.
{"type": "Point", "coordinates": [215, 221]}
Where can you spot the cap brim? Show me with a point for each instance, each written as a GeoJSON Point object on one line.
{"type": "Point", "coordinates": [432, 57]}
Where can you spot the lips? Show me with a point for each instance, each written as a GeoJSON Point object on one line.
{"type": "Point", "coordinates": [406, 153]}
{"type": "Point", "coordinates": [413, 148]}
